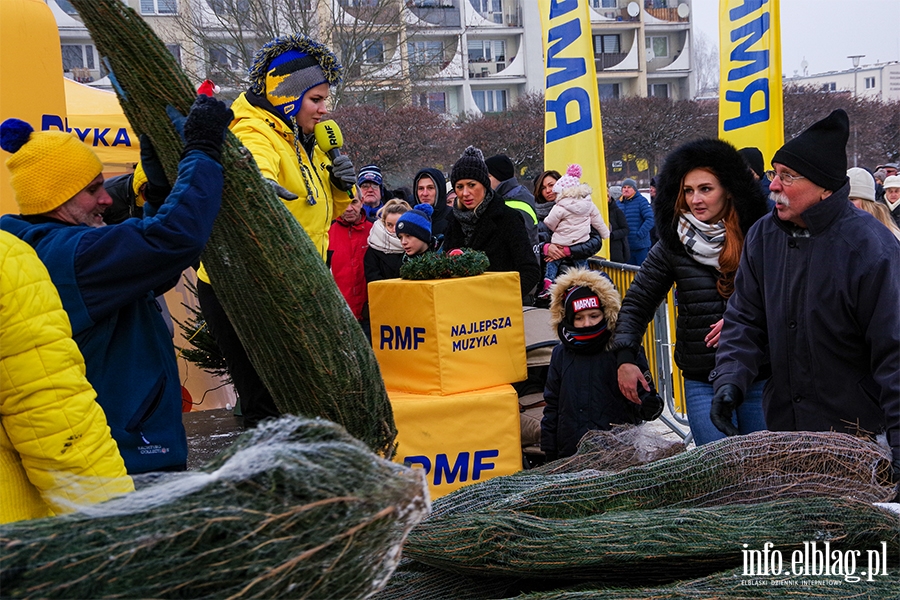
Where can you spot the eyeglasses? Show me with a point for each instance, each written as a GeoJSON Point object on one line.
{"type": "Point", "coordinates": [786, 178]}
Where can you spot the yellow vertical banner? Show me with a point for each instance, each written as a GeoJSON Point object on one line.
{"type": "Point", "coordinates": [572, 130]}
{"type": "Point", "coordinates": [751, 99]}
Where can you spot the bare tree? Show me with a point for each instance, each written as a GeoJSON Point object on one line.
{"type": "Point", "coordinates": [705, 56]}
{"type": "Point", "coordinates": [518, 133]}
{"type": "Point", "coordinates": [370, 38]}
{"type": "Point", "coordinates": [400, 140]}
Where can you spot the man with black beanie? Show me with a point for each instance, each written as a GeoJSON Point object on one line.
{"type": "Point", "coordinates": [502, 174]}
{"type": "Point", "coordinates": [816, 296]}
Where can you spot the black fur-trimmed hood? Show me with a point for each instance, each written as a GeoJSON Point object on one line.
{"type": "Point", "coordinates": [734, 174]}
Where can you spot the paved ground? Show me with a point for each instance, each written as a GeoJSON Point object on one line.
{"type": "Point", "coordinates": [209, 432]}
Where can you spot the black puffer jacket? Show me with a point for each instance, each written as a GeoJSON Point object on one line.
{"type": "Point", "coordinates": [501, 235]}
{"type": "Point", "coordinates": [699, 302]}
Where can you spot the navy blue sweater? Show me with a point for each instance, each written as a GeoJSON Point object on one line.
{"type": "Point", "coordinates": [108, 278]}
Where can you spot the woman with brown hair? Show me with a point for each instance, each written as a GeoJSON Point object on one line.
{"type": "Point", "coordinates": [544, 196]}
{"type": "Point", "coordinates": [706, 201]}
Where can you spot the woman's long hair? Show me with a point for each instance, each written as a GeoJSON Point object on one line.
{"type": "Point", "coordinates": [539, 183]}
{"type": "Point", "coordinates": [392, 207]}
{"type": "Point", "coordinates": [730, 256]}
{"type": "Point", "coordinates": [882, 213]}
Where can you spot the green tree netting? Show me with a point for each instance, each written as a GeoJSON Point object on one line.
{"type": "Point", "coordinates": [734, 585]}
{"type": "Point", "coordinates": [641, 546]}
{"type": "Point", "coordinates": [299, 334]}
{"type": "Point", "coordinates": [743, 469]}
{"type": "Point", "coordinates": [621, 447]}
{"type": "Point", "coordinates": [416, 581]}
{"type": "Point", "coordinates": [295, 508]}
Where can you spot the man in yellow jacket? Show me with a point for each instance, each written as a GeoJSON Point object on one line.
{"type": "Point", "coordinates": [275, 120]}
{"type": "Point", "coordinates": [56, 451]}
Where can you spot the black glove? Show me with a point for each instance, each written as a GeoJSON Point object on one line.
{"type": "Point", "coordinates": [204, 128]}
{"type": "Point", "coordinates": [280, 191]}
{"type": "Point", "coordinates": [651, 404]}
{"type": "Point", "coordinates": [158, 187]}
{"type": "Point", "coordinates": [343, 174]}
{"type": "Point", "coordinates": [725, 401]}
{"type": "Point", "coordinates": [551, 456]}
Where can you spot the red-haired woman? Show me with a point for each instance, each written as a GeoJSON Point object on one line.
{"type": "Point", "coordinates": [706, 201]}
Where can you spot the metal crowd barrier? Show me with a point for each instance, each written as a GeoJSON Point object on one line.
{"type": "Point", "coordinates": [657, 346]}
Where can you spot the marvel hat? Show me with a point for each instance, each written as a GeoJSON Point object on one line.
{"type": "Point", "coordinates": [579, 298]}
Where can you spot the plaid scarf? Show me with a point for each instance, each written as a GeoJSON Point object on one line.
{"type": "Point", "coordinates": [703, 241]}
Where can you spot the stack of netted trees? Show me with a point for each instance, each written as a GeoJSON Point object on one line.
{"type": "Point", "coordinates": [306, 346]}
{"type": "Point", "coordinates": [294, 509]}
{"type": "Point", "coordinates": [689, 515]}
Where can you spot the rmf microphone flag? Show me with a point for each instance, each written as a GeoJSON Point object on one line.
{"type": "Point", "coordinates": [572, 130]}
{"type": "Point", "coordinates": [751, 100]}
{"type": "Point", "coordinates": [330, 139]}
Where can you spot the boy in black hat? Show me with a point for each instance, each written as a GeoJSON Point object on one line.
{"type": "Point", "coordinates": [582, 390]}
{"type": "Point", "coordinates": [816, 296]}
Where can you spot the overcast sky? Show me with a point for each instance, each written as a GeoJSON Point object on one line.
{"type": "Point", "coordinates": [824, 32]}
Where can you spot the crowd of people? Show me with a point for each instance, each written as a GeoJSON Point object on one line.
{"type": "Point", "coordinates": [788, 280]}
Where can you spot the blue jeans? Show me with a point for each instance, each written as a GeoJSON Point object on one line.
{"type": "Point", "coordinates": [698, 397]}
{"type": "Point", "coordinates": [638, 255]}
{"type": "Point", "coordinates": [551, 269]}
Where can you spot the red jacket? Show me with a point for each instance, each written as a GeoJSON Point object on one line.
{"type": "Point", "coordinates": [347, 246]}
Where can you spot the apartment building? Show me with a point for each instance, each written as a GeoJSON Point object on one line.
{"type": "Point", "coordinates": [879, 81]}
{"type": "Point", "coordinates": [453, 56]}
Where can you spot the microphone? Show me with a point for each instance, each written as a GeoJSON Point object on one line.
{"type": "Point", "coordinates": [329, 138]}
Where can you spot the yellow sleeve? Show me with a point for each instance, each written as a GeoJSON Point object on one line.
{"type": "Point", "coordinates": [47, 406]}
{"type": "Point", "coordinates": [260, 146]}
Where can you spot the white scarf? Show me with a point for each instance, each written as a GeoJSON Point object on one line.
{"type": "Point", "coordinates": [703, 241]}
{"type": "Point", "coordinates": [382, 240]}
{"type": "Point", "coordinates": [892, 205]}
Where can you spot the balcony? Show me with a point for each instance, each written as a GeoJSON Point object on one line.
{"type": "Point", "coordinates": [605, 61]}
{"type": "Point", "coordinates": [617, 14]}
{"type": "Point", "coordinates": [440, 13]}
{"type": "Point", "coordinates": [667, 14]}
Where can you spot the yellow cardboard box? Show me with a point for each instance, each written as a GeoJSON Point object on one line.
{"type": "Point", "coordinates": [459, 439]}
{"type": "Point", "coordinates": [446, 336]}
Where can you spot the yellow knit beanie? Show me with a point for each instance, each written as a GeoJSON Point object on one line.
{"type": "Point", "coordinates": [47, 167]}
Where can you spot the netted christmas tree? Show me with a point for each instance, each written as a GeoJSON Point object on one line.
{"type": "Point", "coordinates": [306, 346]}
{"type": "Point", "coordinates": [204, 351]}
{"type": "Point", "coordinates": [295, 508]}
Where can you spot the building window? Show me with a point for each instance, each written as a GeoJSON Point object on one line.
{"type": "Point", "coordinates": [492, 10]}
{"type": "Point", "coordinates": [487, 51]}
{"type": "Point", "coordinates": [658, 90]}
{"type": "Point", "coordinates": [489, 101]}
{"type": "Point", "coordinates": [829, 87]}
{"type": "Point", "coordinates": [224, 56]}
{"type": "Point", "coordinates": [870, 83]}
{"type": "Point", "coordinates": [608, 90]}
{"type": "Point", "coordinates": [359, 3]}
{"type": "Point", "coordinates": [76, 56]}
{"type": "Point", "coordinates": [67, 7]}
{"type": "Point", "coordinates": [175, 50]}
{"type": "Point", "coordinates": [159, 7]}
{"type": "Point", "coordinates": [372, 52]}
{"type": "Point", "coordinates": [433, 3]}
{"type": "Point", "coordinates": [425, 53]}
{"type": "Point", "coordinates": [605, 3]}
{"type": "Point", "coordinates": [657, 47]}
{"type": "Point", "coordinates": [433, 101]}
{"type": "Point", "coordinates": [607, 44]}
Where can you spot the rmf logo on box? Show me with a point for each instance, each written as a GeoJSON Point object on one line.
{"type": "Point", "coordinates": [443, 472]}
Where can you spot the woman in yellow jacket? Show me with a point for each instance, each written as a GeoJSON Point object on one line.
{"type": "Point", "coordinates": [56, 451]}
{"type": "Point", "coordinates": [275, 120]}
